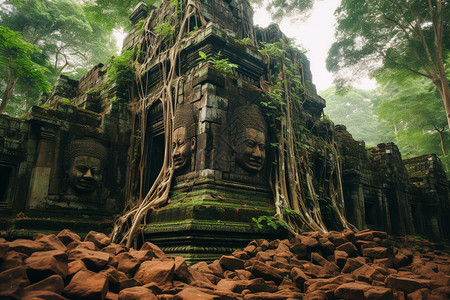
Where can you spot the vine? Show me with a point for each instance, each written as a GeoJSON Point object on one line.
{"type": "Point", "coordinates": [299, 202]}
{"type": "Point", "coordinates": [298, 186]}
{"type": "Point", "coordinates": [161, 45]}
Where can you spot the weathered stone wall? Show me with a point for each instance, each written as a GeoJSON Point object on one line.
{"type": "Point", "coordinates": [214, 200]}
{"type": "Point", "coordinates": [16, 158]}
{"type": "Point", "coordinates": [377, 188]}
{"type": "Point", "coordinates": [433, 206]}
{"type": "Point", "coordinates": [34, 166]}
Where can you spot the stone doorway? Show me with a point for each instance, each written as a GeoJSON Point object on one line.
{"type": "Point", "coordinates": [154, 147]}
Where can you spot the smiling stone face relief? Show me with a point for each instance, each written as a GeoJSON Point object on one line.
{"type": "Point", "coordinates": [248, 132]}
{"type": "Point", "coordinates": [183, 138]}
{"type": "Point", "coordinates": [85, 162]}
{"type": "Point", "coordinates": [85, 173]}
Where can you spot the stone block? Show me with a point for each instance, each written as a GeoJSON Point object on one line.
{"type": "Point", "coordinates": [43, 264]}
{"type": "Point", "coordinates": [159, 271]}
{"type": "Point", "coordinates": [99, 239]}
{"type": "Point", "coordinates": [407, 284]}
{"type": "Point", "coordinates": [267, 272]}
{"type": "Point", "coordinates": [210, 114]}
{"type": "Point", "coordinates": [54, 283]}
{"type": "Point", "coordinates": [349, 248]}
{"type": "Point", "coordinates": [87, 285]}
{"type": "Point", "coordinates": [137, 292]}
{"type": "Point", "coordinates": [231, 262]}
{"type": "Point", "coordinates": [94, 260]}
{"type": "Point", "coordinates": [12, 283]}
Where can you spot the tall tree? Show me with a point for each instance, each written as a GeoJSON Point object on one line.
{"type": "Point", "coordinates": [113, 14]}
{"type": "Point", "coordinates": [68, 42]}
{"type": "Point", "coordinates": [61, 31]}
{"type": "Point", "coordinates": [16, 63]}
{"type": "Point", "coordinates": [400, 38]}
{"type": "Point", "coordinates": [357, 110]}
{"type": "Point", "coordinates": [416, 115]}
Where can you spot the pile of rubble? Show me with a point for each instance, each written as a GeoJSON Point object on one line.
{"type": "Point", "coordinates": [335, 265]}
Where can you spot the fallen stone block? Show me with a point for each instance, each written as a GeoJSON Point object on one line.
{"type": "Point", "coordinates": [12, 283]}
{"type": "Point", "coordinates": [99, 239]}
{"type": "Point", "coordinates": [137, 293]}
{"type": "Point", "coordinates": [66, 237]}
{"type": "Point", "coordinates": [87, 285]}
{"type": "Point", "coordinates": [160, 271]}
{"type": "Point", "coordinates": [47, 263]}
{"type": "Point", "coordinates": [54, 283]}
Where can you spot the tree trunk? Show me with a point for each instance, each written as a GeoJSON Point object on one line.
{"type": "Point", "coordinates": [9, 88]}
{"type": "Point", "coordinates": [441, 136]}
{"type": "Point", "coordinates": [445, 95]}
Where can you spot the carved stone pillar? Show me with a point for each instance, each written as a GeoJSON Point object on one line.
{"type": "Point", "coordinates": [42, 171]}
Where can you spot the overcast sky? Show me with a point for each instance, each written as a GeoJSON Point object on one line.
{"type": "Point", "coordinates": [315, 35]}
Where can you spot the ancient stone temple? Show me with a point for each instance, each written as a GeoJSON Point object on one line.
{"type": "Point", "coordinates": [215, 135]}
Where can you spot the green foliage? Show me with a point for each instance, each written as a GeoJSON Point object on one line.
{"type": "Point", "coordinates": [245, 41]}
{"type": "Point", "coordinates": [139, 26]}
{"type": "Point", "coordinates": [271, 221]}
{"type": "Point", "coordinates": [194, 29]}
{"type": "Point", "coordinates": [67, 41]}
{"type": "Point", "coordinates": [164, 29]}
{"type": "Point", "coordinates": [396, 40]}
{"type": "Point", "coordinates": [222, 65]}
{"type": "Point", "coordinates": [16, 61]}
{"type": "Point", "coordinates": [61, 31]}
{"type": "Point", "coordinates": [112, 14]}
{"type": "Point", "coordinates": [415, 114]}
{"type": "Point", "coordinates": [286, 8]}
{"type": "Point", "coordinates": [357, 110]}
{"type": "Point", "coordinates": [121, 70]}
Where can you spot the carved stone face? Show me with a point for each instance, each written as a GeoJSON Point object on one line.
{"type": "Point", "coordinates": [250, 150]}
{"type": "Point", "coordinates": [85, 174]}
{"type": "Point", "coordinates": [182, 148]}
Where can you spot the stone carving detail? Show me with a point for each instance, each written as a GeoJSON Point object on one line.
{"type": "Point", "coordinates": [184, 138]}
{"type": "Point", "coordinates": [248, 138]}
{"type": "Point", "coordinates": [85, 161]}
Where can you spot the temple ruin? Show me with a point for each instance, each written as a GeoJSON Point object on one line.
{"type": "Point", "coordinates": [210, 149]}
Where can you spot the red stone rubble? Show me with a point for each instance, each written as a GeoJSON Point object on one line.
{"type": "Point", "coordinates": [335, 265]}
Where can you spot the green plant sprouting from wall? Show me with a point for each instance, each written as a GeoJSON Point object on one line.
{"type": "Point", "coordinates": [223, 65]}
{"type": "Point", "coordinates": [306, 197]}
{"type": "Point", "coordinates": [298, 199]}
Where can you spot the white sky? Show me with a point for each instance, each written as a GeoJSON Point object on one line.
{"type": "Point", "coordinates": [316, 34]}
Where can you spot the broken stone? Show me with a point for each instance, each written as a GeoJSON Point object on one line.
{"type": "Point", "coordinates": [408, 285]}
{"type": "Point", "coordinates": [127, 263]}
{"type": "Point", "coordinates": [43, 264]}
{"type": "Point", "coordinates": [25, 246]}
{"type": "Point", "coordinates": [159, 271]}
{"type": "Point", "coordinates": [137, 292]}
{"type": "Point", "coordinates": [267, 272]}
{"type": "Point", "coordinates": [54, 283]}
{"type": "Point", "coordinates": [231, 263]}
{"type": "Point", "coordinates": [99, 239]}
{"type": "Point", "coordinates": [87, 285]}
{"type": "Point", "coordinates": [340, 258]}
{"type": "Point", "coordinates": [376, 252]}
{"type": "Point", "coordinates": [12, 283]}
{"type": "Point", "coordinates": [66, 237]}
{"type": "Point", "coordinates": [94, 260]}
{"type": "Point", "coordinates": [349, 248]}
{"type": "Point", "coordinates": [51, 242]}
{"type": "Point", "coordinates": [157, 252]}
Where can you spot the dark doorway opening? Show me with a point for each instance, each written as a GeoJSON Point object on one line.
{"type": "Point", "coordinates": [154, 145]}
{"type": "Point", "coordinates": [5, 177]}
